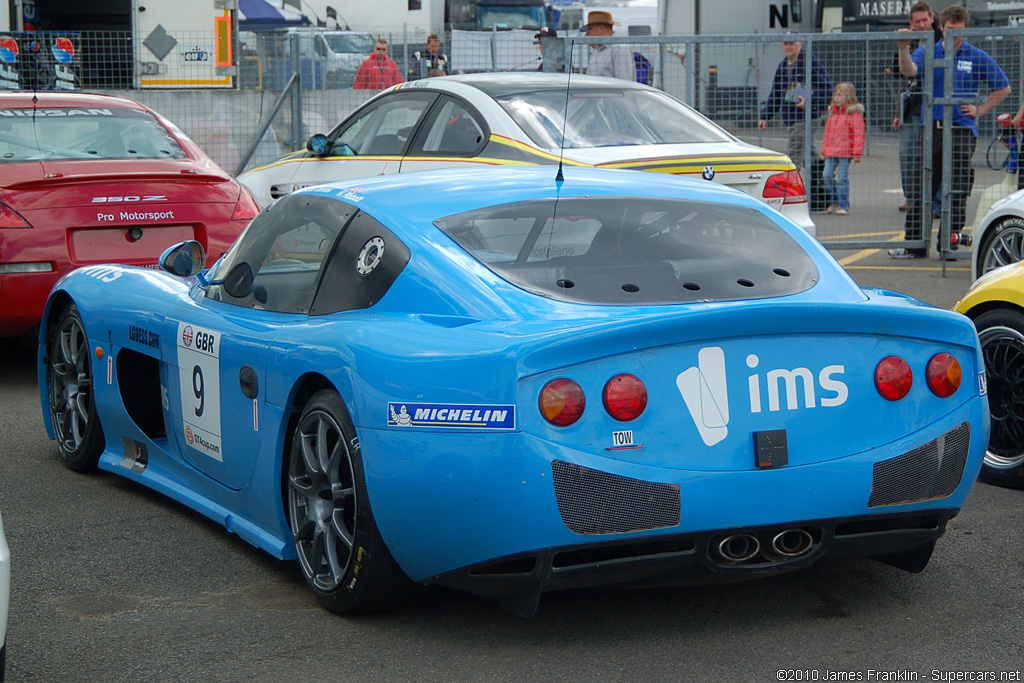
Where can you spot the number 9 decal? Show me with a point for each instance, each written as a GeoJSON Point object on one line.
{"type": "Point", "coordinates": [199, 389]}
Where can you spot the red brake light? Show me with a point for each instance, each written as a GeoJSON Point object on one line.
{"type": "Point", "coordinates": [789, 185]}
{"type": "Point", "coordinates": [245, 207]}
{"type": "Point", "coordinates": [893, 378]}
{"type": "Point", "coordinates": [9, 218]}
{"type": "Point", "coordinates": [944, 374]}
{"type": "Point", "coordinates": [625, 397]}
{"type": "Point", "coordinates": [562, 402]}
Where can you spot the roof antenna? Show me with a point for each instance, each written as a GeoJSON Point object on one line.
{"type": "Point", "coordinates": [565, 114]}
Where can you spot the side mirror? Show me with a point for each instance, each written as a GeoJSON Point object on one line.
{"type": "Point", "coordinates": [318, 144]}
{"type": "Point", "coordinates": [184, 259]}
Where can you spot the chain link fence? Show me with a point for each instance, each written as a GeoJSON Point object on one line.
{"type": "Point", "coordinates": [283, 86]}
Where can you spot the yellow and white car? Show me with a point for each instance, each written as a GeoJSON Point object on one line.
{"type": "Point", "coordinates": [517, 119]}
{"type": "Point", "coordinates": [999, 235]}
{"type": "Point", "coordinates": [995, 302]}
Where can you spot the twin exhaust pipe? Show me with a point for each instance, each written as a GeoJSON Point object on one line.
{"type": "Point", "coordinates": [787, 544]}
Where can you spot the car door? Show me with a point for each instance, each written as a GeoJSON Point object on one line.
{"type": "Point", "coordinates": [370, 142]}
{"type": "Point", "coordinates": [213, 383]}
{"type": "Point", "coordinates": [217, 378]}
{"type": "Point", "coordinates": [452, 134]}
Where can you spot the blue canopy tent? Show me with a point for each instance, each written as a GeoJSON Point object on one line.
{"type": "Point", "coordinates": [260, 15]}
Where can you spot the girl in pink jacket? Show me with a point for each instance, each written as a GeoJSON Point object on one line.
{"type": "Point", "coordinates": [843, 141]}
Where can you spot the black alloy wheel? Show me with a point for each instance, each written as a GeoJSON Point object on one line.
{"type": "Point", "coordinates": [1001, 333]}
{"type": "Point", "coordinates": [72, 399]}
{"type": "Point", "coordinates": [340, 550]}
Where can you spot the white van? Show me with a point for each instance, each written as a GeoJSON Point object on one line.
{"type": "Point", "coordinates": [340, 51]}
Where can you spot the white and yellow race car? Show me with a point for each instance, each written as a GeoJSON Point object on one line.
{"type": "Point", "coordinates": [520, 119]}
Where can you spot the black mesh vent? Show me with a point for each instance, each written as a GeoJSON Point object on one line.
{"type": "Point", "coordinates": [595, 502]}
{"type": "Point", "coordinates": [930, 471]}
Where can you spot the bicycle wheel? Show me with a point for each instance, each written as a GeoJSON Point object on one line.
{"type": "Point", "coordinates": [998, 154]}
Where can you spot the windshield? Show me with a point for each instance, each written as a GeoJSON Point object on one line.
{"type": "Point", "coordinates": [59, 134]}
{"type": "Point", "coordinates": [281, 251]}
{"type": "Point", "coordinates": [605, 118]}
{"type": "Point", "coordinates": [361, 43]}
{"type": "Point", "coordinates": [511, 17]}
{"type": "Point", "coordinates": [634, 250]}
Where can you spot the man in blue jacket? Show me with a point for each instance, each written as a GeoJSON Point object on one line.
{"type": "Point", "coordinates": [793, 99]}
{"type": "Point", "coordinates": [973, 68]}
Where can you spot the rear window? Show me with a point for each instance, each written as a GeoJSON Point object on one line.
{"type": "Point", "coordinates": [607, 118]}
{"type": "Point", "coordinates": [634, 250]}
{"type": "Point", "coordinates": [62, 134]}
{"type": "Point", "coordinates": [361, 43]}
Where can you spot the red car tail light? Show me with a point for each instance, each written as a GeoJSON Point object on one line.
{"type": "Point", "coordinates": [893, 378]}
{"type": "Point", "coordinates": [9, 218]}
{"type": "Point", "coordinates": [562, 402]}
{"type": "Point", "coordinates": [245, 208]}
{"type": "Point", "coordinates": [944, 375]}
{"type": "Point", "coordinates": [788, 185]}
{"type": "Point", "coordinates": [625, 397]}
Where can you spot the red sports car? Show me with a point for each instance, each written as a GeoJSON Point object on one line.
{"type": "Point", "coordinates": [97, 179]}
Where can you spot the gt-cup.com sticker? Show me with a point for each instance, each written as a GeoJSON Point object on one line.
{"type": "Point", "coordinates": [451, 415]}
{"type": "Point", "coordinates": [199, 388]}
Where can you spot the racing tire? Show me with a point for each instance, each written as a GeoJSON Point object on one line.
{"type": "Point", "coordinates": [1001, 333]}
{"type": "Point", "coordinates": [1003, 244]}
{"type": "Point", "coordinates": [341, 552]}
{"type": "Point", "coordinates": [69, 373]}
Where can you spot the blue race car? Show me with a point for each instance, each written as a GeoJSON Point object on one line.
{"type": "Point", "coordinates": [508, 383]}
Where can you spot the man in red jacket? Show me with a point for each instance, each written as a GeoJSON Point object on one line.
{"type": "Point", "coordinates": [378, 71]}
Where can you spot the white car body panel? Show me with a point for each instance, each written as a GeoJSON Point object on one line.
{"type": "Point", "coordinates": [1011, 206]}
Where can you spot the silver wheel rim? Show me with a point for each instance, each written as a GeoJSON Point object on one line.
{"type": "Point", "coordinates": [70, 385]}
{"type": "Point", "coordinates": [1003, 349]}
{"type": "Point", "coordinates": [1006, 248]}
{"type": "Point", "coordinates": [322, 501]}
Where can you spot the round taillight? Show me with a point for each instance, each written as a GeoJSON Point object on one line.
{"type": "Point", "coordinates": [893, 378]}
{"type": "Point", "coordinates": [625, 397]}
{"type": "Point", "coordinates": [944, 374]}
{"type": "Point", "coordinates": [562, 402]}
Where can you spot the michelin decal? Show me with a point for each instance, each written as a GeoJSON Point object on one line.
{"type": "Point", "coordinates": [451, 415]}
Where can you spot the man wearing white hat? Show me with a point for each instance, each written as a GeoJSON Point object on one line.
{"type": "Point", "coordinates": [608, 59]}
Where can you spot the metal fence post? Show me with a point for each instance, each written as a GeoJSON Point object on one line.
{"type": "Point", "coordinates": [867, 97]}
{"type": "Point", "coordinates": [296, 93]}
{"type": "Point", "coordinates": [809, 105]}
{"type": "Point", "coordinates": [494, 48]}
{"type": "Point", "coordinates": [927, 141]}
{"type": "Point", "coordinates": [948, 102]}
{"type": "Point", "coordinates": [405, 52]}
{"type": "Point", "coordinates": [291, 87]}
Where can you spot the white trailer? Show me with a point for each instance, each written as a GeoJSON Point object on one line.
{"type": "Point", "coordinates": [138, 43]}
{"type": "Point", "coordinates": [734, 67]}
{"type": "Point", "coordinates": [185, 44]}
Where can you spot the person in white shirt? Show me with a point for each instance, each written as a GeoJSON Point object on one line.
{"type": "Point", "coordinates": [609, 59]}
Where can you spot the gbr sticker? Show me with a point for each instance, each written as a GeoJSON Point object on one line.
{"type": "Point", "coordinates": [199, 378]}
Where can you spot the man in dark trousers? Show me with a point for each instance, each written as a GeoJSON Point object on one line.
{"type": "Point", "coordinates": [791, 97]}
{"type": "Point", "coordinates": [909, 125]}
{"type": "Point", "coordinates": [973, 68]}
